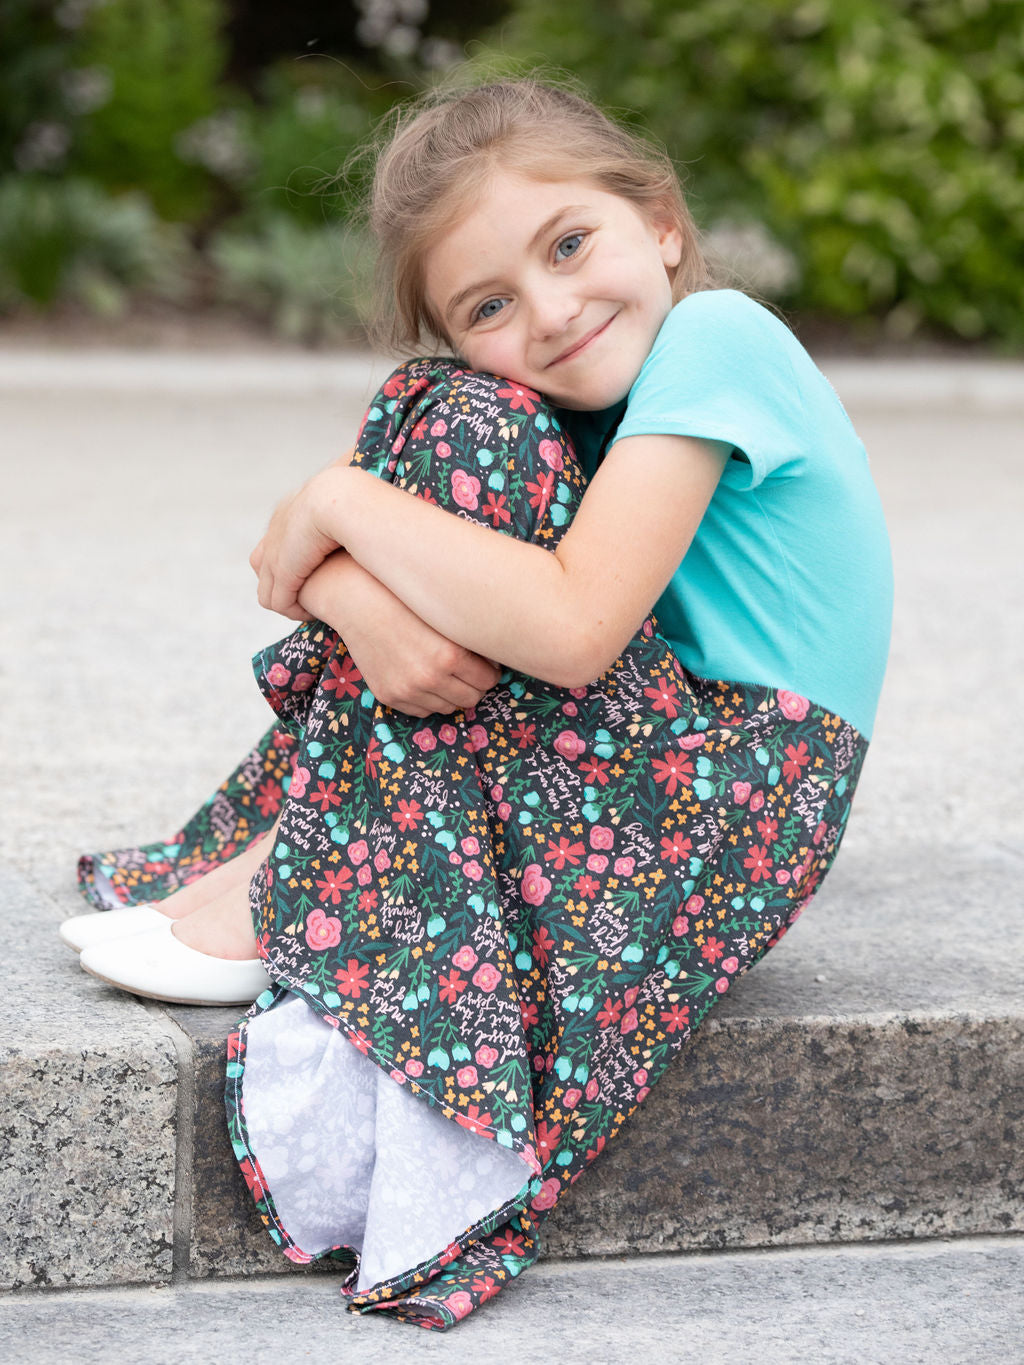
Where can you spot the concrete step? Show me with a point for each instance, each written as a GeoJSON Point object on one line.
{"type": "Point", "coordinates": [933, 1303]}
{"type": "Point", "coordinates": [808, 1110]}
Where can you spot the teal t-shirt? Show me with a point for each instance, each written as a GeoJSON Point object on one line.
{"type": "Point", "coordinates": [788, 580]}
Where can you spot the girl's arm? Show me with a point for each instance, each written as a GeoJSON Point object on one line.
{"type": "Point", "coordinates": [562, 616]}
{"type": "Point", "coordinates": [406, 664]}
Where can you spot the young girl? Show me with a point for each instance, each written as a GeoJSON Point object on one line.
{"type": "Point", "coordinates": [488, 932]}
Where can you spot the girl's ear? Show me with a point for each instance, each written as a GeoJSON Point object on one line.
{"type": "Point", "coordinates": [670, 241]}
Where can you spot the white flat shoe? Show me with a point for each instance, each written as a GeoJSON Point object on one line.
{"type": "Point", "coordinates": [161, 967]}
{"type": "Point", "coordinates": [85, 931]}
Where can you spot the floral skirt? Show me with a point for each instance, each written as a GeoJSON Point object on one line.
{"type": "Point", "coordinates": [490, 933]}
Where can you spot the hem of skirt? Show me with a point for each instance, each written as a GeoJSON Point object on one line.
{"type": "Point", "coordinates": [384, 1292]}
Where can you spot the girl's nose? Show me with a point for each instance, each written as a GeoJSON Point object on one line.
{"type": "Point", "coordinates": [552, 309]}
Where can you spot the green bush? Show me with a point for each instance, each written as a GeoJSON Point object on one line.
{"type": "Point", "coordinates": [67, 240]}
{"type": "Point", "coordinates": [310, 283]}
{"type": "Point", "coordinates": [162, 60]}
{"type": "Point", "coordinates": [881, 142]}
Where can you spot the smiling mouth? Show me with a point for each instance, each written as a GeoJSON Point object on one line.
{"type": "Point", "coordinates": [581, 345]}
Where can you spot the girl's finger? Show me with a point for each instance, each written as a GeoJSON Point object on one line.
{"type": "Point", "coordinates": [256, 558]}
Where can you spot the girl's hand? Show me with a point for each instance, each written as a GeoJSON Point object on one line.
{"type": "Point", "coordinates": [407, 665]}
{"type": "Point", "coordinates": [293, 545]}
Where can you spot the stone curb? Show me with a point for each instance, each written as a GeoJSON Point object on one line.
{"type": "Point", "coordinates": [978, 385]}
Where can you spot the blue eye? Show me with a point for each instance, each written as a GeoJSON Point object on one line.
{"type": "Point", "coordinates": [490, 308]}
{"type": "Point", "coordinates": [568, 246]}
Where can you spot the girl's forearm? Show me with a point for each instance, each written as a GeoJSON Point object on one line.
{"type": "Point", "coordinates": [502, 598]}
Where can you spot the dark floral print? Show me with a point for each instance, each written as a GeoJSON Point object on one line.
{"type": "Point", "coordinates": [521, 912]}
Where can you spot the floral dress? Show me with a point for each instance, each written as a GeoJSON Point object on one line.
{"type": "Point", "coordinates": [489, 933]}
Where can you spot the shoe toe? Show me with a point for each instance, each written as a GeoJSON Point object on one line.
{"type": "Point", "coordinates": [159, 966]}
{"type": "Point", "coordinates": [87, 931]}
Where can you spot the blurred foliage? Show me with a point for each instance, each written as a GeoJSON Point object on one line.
{"type": "Point", "coordinates": [880, 141]}
{"type": "Point", "coordinates": [851, 158]}
{"type": "Point", "coordinates": [69, 240]}
{"type": "Point", "coordinates": [160, 63]}
{"type": "Point", "coordinates": [310, 283]}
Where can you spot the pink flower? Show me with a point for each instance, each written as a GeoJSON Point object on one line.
{"type": "Point", "coordinates": [465, 959]}
{"type": "Point", "coordinates": [597, 862]}
{"type": "Point", "coordinates": [425, 739]}
{"type": "Point", "coordinates": [757, 801]}
{"type": "Point", "coordinates": [382, 861]}
{"type": "Point", "coordinates": [820, 832]}
{"type": "Point", "coordinates": [473, 870]}
{"type": "Point", "coordinates": [792, 705]}
{"type": "Point", "coordinates": [536, 886]}
{"type": "Point", "coordinates": [691, 741]}
{"type": "Point", "coordinates": [640, 1077]}
{"type": "Point", "coordinates": [569, 744]}
{"type": "Point", "coordinates": [439, 428]}
{"type": "Point", "coordinates": [680, 926]}
{"type": "Point", "coordinates": [782, 876]}
{"type": "Point", "coordinates": [477, 739]}
{"type": "Point", "coordinates": [601, 837]}
{"type": "Point", "coordinates": [722, 985]}
{"type": "Point", "coordinates": [278, 675]}
{"type": "Point", "coordinates": [298, 784]}
{"type": "Point", "coordinates": [303, 682]}
{"type": "Point", "coordinates": [414, 1067]}
{"type": "Point", "coordinates": [571, 1098]}
{"type": "Point", "coordinates": [486, 1056]}
{"type": "Point", "coordinates": [740, 792]}
{"type": "Point", "coordinates": [322, 930]}
{"type": "Point", "coordinates": [642, 1093]}
{"type": "Point", "coordinates": [547, 1195]}
{"type": "Point", "coordinates": [629, 999]}
{"type": "Point", "coordinates": [459, 1303]}
{"type": "Point", "coordinates": [486, 976]}
{"type": "Point", "coordinates": [448, 734]}
{"type": "Point", "coordinates": [358, 852]}
{"type": "Point", "coordinates": [578, 692]}
{"type": "Point", "coordinates": [364, 876]}
{"type": "Point", "coordinates": [455, 858]}
{"type": "Point", "coordinates": [551, 453]}
{"type": "Point", "coordinates": [465, 488]}
{"type": "Point", "coordinates": [397, 1077]}
{"type": "Point", "coordinates": [629, 1022]}
{"type": "Point", "coordinates": [504, 811]}
{"type": "Point", "coordinates": [443, 449]}
{"type": "Point", "coordinates": [496, 792]}
{"type": "Point", "coordinates": [466, 1076]}
{"type": "Point", "coordinates": [694, 905]}
{"type": "Point", "coordinates": [731, 964]}
{"type": "Point", "coordinates": [624, 867]}
{"type": "Point", "coordinates": [592, 1089]}
{"type": "Point", "coordinates": [471, 845]}
{"type": "Point", "coordinates": [570, 708]}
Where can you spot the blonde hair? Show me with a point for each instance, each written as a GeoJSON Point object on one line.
{"type": "Point", "coordinates": [442, 151]}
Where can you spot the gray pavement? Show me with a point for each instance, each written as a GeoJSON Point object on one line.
{"type": "Point", "coordinates": [955, 1303]}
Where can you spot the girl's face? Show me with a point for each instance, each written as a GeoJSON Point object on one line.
{"type": "Point", "coordinates": [557, 285]}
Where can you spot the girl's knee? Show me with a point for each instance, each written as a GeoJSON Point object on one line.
{"type": "Point", "coordinates": [477, 444]}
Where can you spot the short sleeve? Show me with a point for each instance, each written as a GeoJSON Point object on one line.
{"type": "Point", "coordinates": [721, 369]}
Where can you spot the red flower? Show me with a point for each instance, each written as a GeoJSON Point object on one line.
{"type": "Point", "coordinates": [529, 1013]}
{"type": "Point", "coordinates": [509, 1245]}
{"type": "Point", "coordinates": [678, 1017]}
{"type": "Point", "coordinates": [664, 697]}
{"type": "Point", "coordinates": [547, 1138]}
{"type": "Point", "coordinates": [675, 848]}
{"type": "Point", "coordinates": [610, 1014]}
{"type": "Point", "coordinates": [253, 1178]}
{"type": "Point", "coordinates": [352, 979]}
{"type": "Point", "coordinates": [595, 770]}
{"type": "Point", "coordinates": [758, 863]}
{"type": "Point", "coordinates": [326, 796]}
{"type": "Point", "coordinates": [540, 492]}
{"type": "Point", "coordinates": [712, 950]}
{"type": "Point", "coordinates": [367, 901]}
{"type": "Point", "coordinates": [374, 753]}
{"type": "Point", "coordinates": [768, 829]}
{"type": "Point", "coordinates": [525, 735]}
{"type": "Point", "coordinates": [268, 798]}
{"type": "Point", "coordinates": [673, 769]}
{"type": "Point", "coordinates": [542, 945]}
{"type": "Point", "coordinates": [408, 815]}
{"type": "Point", "coordinates": [474, 1120]}
{"type": "Point", "coordinates": [342, 677]}
{"type": "Point", "coordinates": [486, 1286]}
{"type": "Point", "coordinates": [563, 852]}
{"type": "Point", "coordinates": [797, 757]}
{"type": "Point", "coordinates": [587, 886]}
{"type": "Point", "coordinates": [495, 508]}
{"type": "Point", "coordinates": [451, 987]}
{"type": "Point", "coordinates": [333, 883]}
{"type": "Point", "coordinates": [519, 397]}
